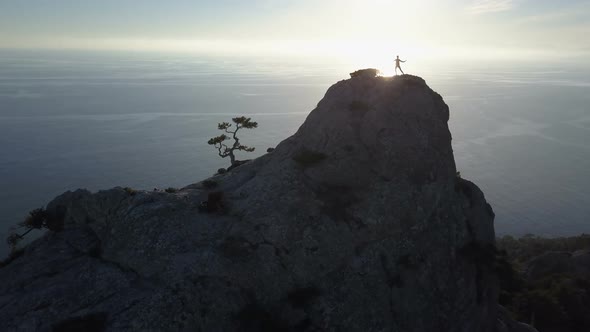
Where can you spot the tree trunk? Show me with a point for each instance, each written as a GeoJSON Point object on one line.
{"type": "Point", "coordinates": [232, 158]}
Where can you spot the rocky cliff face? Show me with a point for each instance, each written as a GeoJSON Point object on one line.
{"type": "Point", "coordinates": [357, 222]}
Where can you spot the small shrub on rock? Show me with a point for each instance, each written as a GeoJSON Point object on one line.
{"type": "Point", "coordinates": [171, 190]}
{"type": "Point", "coordinates": [130, 191]}
{"type": "Point", "coordinates": [209, 184]}
{"type": "Point", "coordinates": [214, 203]}
{"type": "Point", "coordinates": [37, 219]}
{"type": "Point", "coordinates": [307, 158]}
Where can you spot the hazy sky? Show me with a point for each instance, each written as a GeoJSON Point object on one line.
{"type": "Point", "coordinates": [464, 27]}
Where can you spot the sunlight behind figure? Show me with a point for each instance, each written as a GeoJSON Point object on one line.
{"type": "Point", "coordinates": [377, 54]}
{"type": "Point", "coordinates": [397, 66]}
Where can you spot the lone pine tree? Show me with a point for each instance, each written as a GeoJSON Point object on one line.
{"type": "Point", "coordinates": [228, 151]}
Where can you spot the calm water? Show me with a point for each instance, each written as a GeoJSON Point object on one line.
{"type": "Point", "coordinates": [83, 120]}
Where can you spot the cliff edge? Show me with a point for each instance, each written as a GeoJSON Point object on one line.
{"type": "Point", "coordinates": [357, 222]}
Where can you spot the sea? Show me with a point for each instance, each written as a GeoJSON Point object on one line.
{"type": "Point", "coordinates": [95, 120]}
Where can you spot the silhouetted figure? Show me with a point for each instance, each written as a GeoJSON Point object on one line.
{"type": "Point", "coordinates": [397, 61]}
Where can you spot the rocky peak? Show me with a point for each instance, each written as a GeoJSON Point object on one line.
{"type": "Point", "coordinates": [357, 222]}
{"type": "Point", "coordinates": [378, 127]}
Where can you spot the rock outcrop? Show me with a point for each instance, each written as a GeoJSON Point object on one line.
{"type": "Point", "coordinates": [357, 222]}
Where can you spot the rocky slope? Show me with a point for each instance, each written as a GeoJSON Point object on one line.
{"type": "Point", "coordinates": [357, 222]}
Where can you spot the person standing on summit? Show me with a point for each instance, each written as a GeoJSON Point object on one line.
{"type": "Point", "coordinates": [397, 61]}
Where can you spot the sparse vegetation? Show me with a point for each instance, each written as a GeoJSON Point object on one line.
{"type": "Point", "coordinates": [37, 219]}
{"type": "Point", "coordinates": [214, 203]}
{"type": "Point", "coordinates": [307, 158]}
{"type": "Point", "coordinates": [556, 302]}
{"type": "Point", "coordinates": [209, 184]}
{"type": "Point", "coordinates": [171, 190]}
{"type": "Point", "coordinates": [529, 246]}
{"type": "Point", "coordinates": [486, 257]}
{"type": "Point", "coordinates": [218, 141]}
{"type": "Point", "coordinates": [130, 191]}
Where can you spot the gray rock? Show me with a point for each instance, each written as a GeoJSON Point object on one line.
{"type": "Point", "coordinates": [357, 222]}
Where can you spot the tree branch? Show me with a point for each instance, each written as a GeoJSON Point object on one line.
{"type": "Point", "coordinates": [25, 233]}
{"type": "Point", "coordinates": [219, 149]}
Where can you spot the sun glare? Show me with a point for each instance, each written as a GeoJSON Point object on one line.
{"type": "Point", "coordinates": [381, 56]}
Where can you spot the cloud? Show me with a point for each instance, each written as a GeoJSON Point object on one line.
{"type": "Point", "coordinates": [565, 14]}
{"type": "Point", "coordinates": [490, 6]}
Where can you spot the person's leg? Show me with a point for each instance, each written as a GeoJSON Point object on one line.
{"type": "Point", "coordinates": [400, 69]}
{"type": "Point", "coordinates": [395, 70]}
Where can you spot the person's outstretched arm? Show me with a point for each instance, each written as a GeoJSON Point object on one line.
{"type": "Point", "coordinates": [402, 60]}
